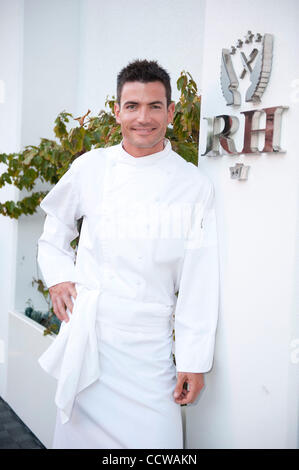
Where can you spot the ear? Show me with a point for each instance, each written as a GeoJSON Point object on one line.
{"type": "Point", "coordinates": [170, 112]}
{"type": "Point", "coordinates": [117, 111]}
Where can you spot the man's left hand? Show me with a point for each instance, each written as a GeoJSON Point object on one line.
{"type": "Point", "coordinates": [195, 383]}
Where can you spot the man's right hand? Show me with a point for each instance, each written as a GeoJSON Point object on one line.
{"type": "Point", "coordinates": [61, 299]}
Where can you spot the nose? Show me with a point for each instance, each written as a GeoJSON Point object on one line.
{"type": "Point", "coordinates": [143, 115]}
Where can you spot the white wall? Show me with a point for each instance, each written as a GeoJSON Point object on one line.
{"type": "Point", "coordinates": [11, 43]}
{"type": "Point", "coordinates": [51, 65]}
{"type": "Point", "coordinates": [117, 32]}
{"type": "Point", "coordinates": [251, 395]}
{"type": "Point", "coordinates": [51, 61]}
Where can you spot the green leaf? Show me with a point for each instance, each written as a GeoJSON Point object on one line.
{"type": "Point", "coordinates": [75, 139]}
{"type": "Point", "coordinates": [180, 82]}
{"type": "Point", "coordinates": [29, 156]}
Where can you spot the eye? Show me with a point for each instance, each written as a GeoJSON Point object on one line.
{"type": "Point", "coordinates": [156, 106]}
{"type": "Point", "coordinates": [130, 106]}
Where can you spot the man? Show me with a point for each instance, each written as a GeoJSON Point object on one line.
{"type": "Point", "coordinates": [148, 232]}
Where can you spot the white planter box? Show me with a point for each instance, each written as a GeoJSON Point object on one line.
{"type": "Point", "coordinates": [30, 390]}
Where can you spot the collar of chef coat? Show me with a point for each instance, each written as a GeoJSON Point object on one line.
{"type": "Point", "coordinates": [125, 157]}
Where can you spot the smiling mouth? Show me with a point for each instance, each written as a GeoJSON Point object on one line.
{"type": "Point", "coordinates": [143, 130]}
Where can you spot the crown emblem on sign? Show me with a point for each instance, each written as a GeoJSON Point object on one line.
{"type": "Point", "coordinates": [256, 64]}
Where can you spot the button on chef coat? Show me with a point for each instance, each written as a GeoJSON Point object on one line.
{"type": "Point", "coordinates": [131, 251]}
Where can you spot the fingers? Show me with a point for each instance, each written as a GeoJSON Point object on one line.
{"type": "Point", "coordinates": [59, 309]}
{"type": "Point", "coordinates": [62, 300]}
{"type": "Point", "coordinates": [72, 290]}
{"type": "Point", "coordinates": [68, 302]}
{"type": "Point", "coordinates": [182, 396]}
{"type": "Point", "coordinates": [179, 386]}
{"type": "Point", "coordinates": [185, 398]}
{"type": "Point", "coordinates": [188, 387]}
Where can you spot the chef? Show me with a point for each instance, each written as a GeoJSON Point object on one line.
{"type": "Point", "coordinates": [146, 264]}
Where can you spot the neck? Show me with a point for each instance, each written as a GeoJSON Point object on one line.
{"type": "Point", "coordinates": [142, 152]}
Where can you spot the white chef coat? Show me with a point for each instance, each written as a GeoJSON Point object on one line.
{"type": "Point", "coordinates": [148, 231]}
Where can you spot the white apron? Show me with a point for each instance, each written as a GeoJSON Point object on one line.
{"type": "Point", "coordinates": [113, 360]}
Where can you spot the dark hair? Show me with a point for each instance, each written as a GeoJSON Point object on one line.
{"type": "Point", "coordinates": [143, 71]}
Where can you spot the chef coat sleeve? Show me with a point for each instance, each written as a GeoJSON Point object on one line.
{"type": "Point", "coordinates": [62, 207]}
{"type": "Point", "coordinates": [196, 310]}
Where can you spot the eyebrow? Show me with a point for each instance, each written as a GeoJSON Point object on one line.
{"type": "Point", "coordinates": [156, 102]}
{"type": "Point", "coordinates": [135, 102]}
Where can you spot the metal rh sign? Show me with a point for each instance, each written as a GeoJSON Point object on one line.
{"type": "Point", "coordinates": [221, 128]}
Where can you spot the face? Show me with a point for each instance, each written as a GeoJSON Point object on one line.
{"type": "Point", "coordinates": [144, 117]}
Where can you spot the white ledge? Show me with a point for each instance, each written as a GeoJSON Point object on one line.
{"type": "Point", "coordinates": [22, 317]}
